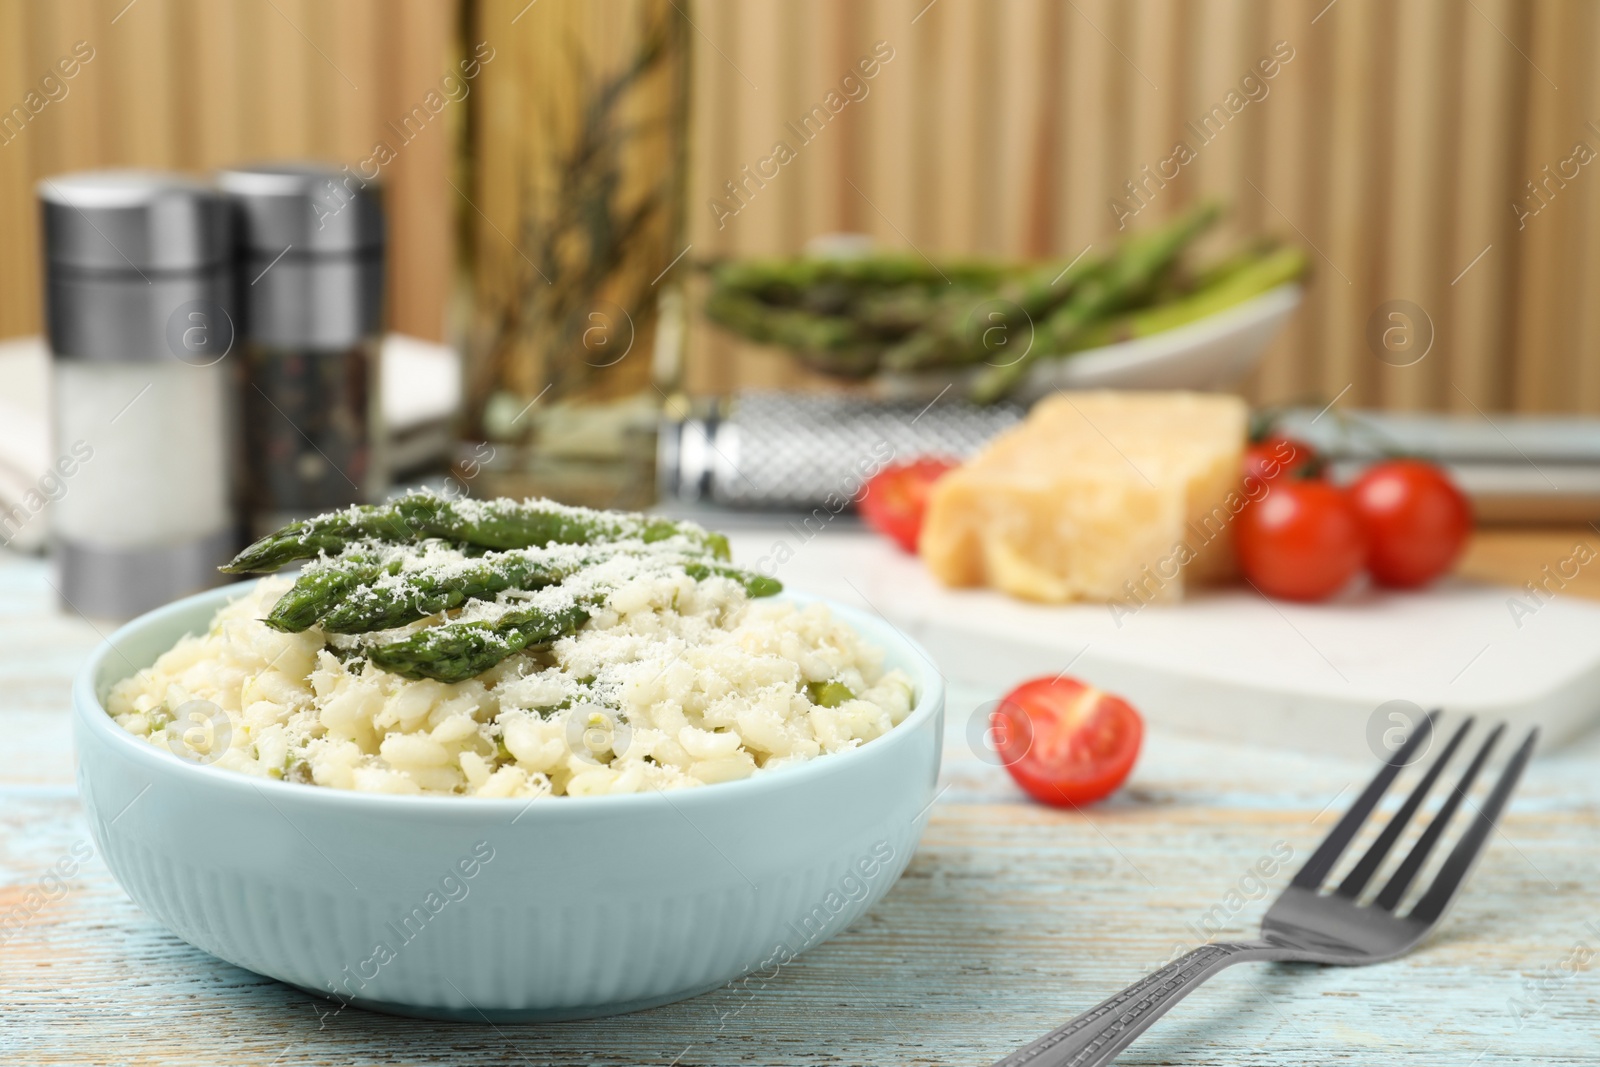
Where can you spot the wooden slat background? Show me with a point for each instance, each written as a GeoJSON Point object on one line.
{"type": "Point", "coordinates": [197, 84]}
{"type": "Point", "coordinates": [1395, 143]}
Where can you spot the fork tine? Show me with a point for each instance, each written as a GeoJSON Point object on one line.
{"type": "Point", "coordinates": [1403, 875]}
{"type": "Point", "coordinates": [1455, 868]}
{"type": "Point", "coordinates": [1357, 879]}
{"type": "Point", "coordinates": [1327, 854]}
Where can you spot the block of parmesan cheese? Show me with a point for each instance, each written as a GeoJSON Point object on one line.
{"type": "Point", "coordinates": [1105, 496]}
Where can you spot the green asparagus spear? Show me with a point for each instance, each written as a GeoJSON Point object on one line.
{"type": "Point", "coordinates": [892, 314]}
{"type": "Point", "coordinates": [1243, 258]}
{"type": "Point", "coordinates": [456, 651]}
{"type": "Point", "coordinates": [768, 324]}
{"type": "Point", "coordinates": [315, 591]}
{"type": "Point", "coordinates": [1234, 287]}
{"type": "Point", "coordinates": [1131, 271]}
{"type": "Point", "coordinates": [781, 280]}
{"type": "Point", "coordinates": [329, 533]}
{"type": "Point", "coordinates": [460, 650]}
{"type": "Point", "coordinates": [363, 610]}
{"type": "Point", "coordinates": [972, 327]}
{"type": "Point", "coordinates": [367, 609]}
{"type": "Point", "coordinates": [505, 523]}
{"type": "Point", "coordinates": [832, 344]}
{"type": "Point", "coordinates": [754, 584]}
{"type": "Point", "coordinates": [494, 524]}
{"type": "Point", "coordinates": [375, 608]}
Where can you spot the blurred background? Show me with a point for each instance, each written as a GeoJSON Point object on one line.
{"type": "Point", "coordinates": [1398, 143]}
{"type": "Point", "coordinates": [1424, 155]}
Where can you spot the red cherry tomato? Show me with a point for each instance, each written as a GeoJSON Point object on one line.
{"type": "Point", "coordinates": [1064, 742]}
{"type": "Point", "coordinates": [1416, 519]}
{"type": "Point", "coordinates": [1302, 541]}
{"type": "Point", "coordinates": [896, 498]}
{"type": "Point", "coordinates": [1282, 457]}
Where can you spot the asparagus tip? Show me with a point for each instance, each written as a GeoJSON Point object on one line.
{"type": "Point", "coordinates": [761, 585]}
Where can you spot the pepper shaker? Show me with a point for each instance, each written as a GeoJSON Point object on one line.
{"type": "Point", "coordinates": [309, 246]}
{"type": "Point", "coordinates": [138, 299]}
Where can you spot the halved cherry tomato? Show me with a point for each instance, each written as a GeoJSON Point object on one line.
{"type": "Point", "coordinates": [1303, 540]}
{"type": "Point", "coordinates": [896, 498]}
{"type": "Point", "coordinates": [1282, 457]}
{"type": "Point", "coordinates": [1065, 742]}
{"type": "Point", "coordinates": [1417, 520]}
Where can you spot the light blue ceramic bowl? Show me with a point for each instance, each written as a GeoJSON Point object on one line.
{"type": "Point", "coordinates": [473, 909]}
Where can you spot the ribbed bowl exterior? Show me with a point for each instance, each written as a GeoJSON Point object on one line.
{"type": "Point", "coordinates": [460, 908]}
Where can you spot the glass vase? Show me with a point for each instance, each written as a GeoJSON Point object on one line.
{"type": "Point", "coordinates": [573, 183]}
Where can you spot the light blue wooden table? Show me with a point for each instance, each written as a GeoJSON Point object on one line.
{"type": "Point", "coordinates": [1011, 919]}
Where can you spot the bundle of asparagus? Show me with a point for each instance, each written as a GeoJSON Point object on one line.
{"type": "Point", "coordinates": [501, 576]}
{"type": "Point", "coordinates": [860, 316]}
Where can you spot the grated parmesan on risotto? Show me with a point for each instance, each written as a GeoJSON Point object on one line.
{"type": "Point", "coordinates": [672, 683]}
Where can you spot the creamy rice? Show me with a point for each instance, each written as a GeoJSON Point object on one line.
{"type": "Point", "coordinates": [674, 683]}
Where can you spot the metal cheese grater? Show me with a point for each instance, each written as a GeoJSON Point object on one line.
{"type": "Point", "coordinates": [786, 450]}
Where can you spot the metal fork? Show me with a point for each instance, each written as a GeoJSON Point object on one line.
{"type": "Point", "coordinates": [1306, 925]}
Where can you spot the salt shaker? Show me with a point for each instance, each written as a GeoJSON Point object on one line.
{"type": "Point", "coordinates": [309, 245]}
{"type": "Point", "coordinates": [138, 310]}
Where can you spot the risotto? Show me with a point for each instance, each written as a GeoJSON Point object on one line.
{"type": "Point", "coordinates": [672, 681]}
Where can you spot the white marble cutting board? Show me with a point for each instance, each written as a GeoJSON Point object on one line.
{"type": "Point", "coordinates": [1232, 663]}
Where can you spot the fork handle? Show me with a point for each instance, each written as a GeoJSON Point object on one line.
{"type": "Point", "coordinates": [1095, 1037]}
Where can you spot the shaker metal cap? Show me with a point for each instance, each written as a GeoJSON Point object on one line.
{"type": "Point", "coordinates": [133, 221]}
{"type": "Point", "coordinates": [311, 208]}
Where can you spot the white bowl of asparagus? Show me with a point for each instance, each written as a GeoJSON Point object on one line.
{"type": "Point", "coordinates": [1142, 314]}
